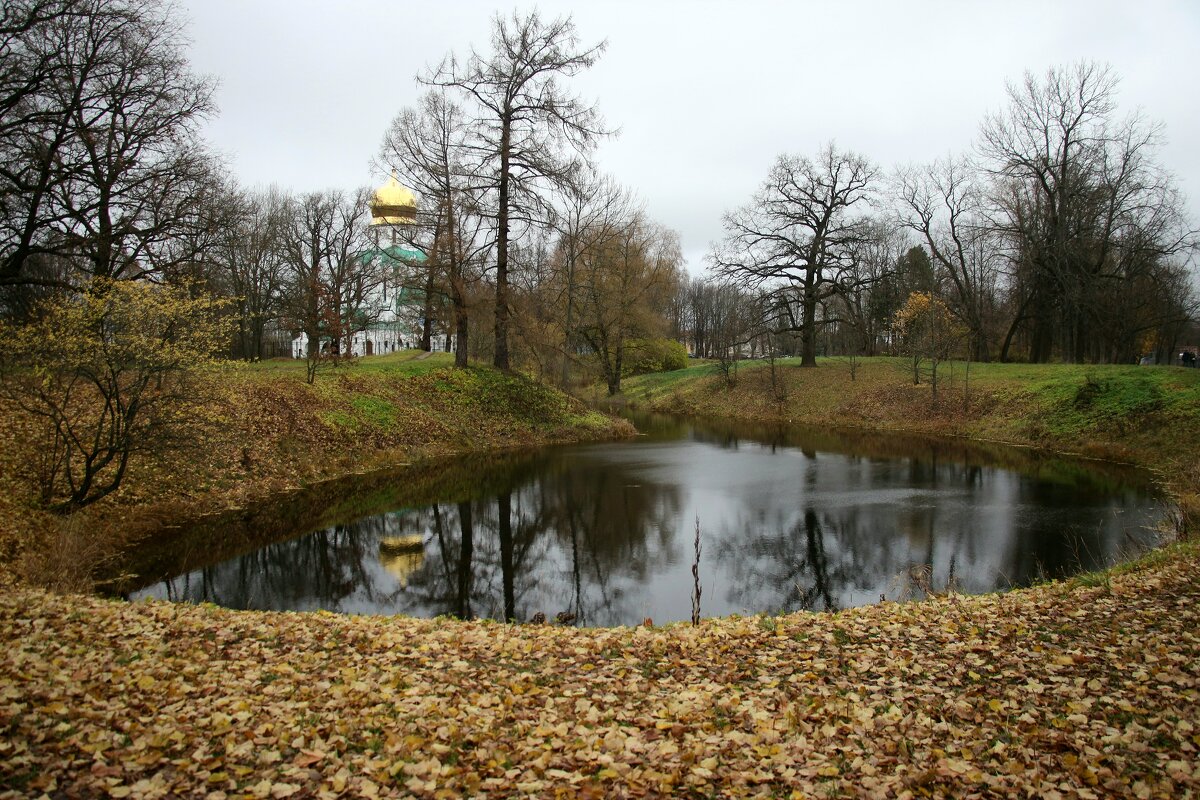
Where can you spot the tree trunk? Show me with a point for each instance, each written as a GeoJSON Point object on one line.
{"type": "Point", "coordinates": [566, 361]}
{"type": "Point", "coordinates": [614, 373]}
{"type": "Point", "coordinates": [808, 333]}
{"type": "Point", "coordinates": [461, 323]}
{"type": "Point", "coordinates": [427, 312]}
{"type": "Point", "coordinates": [980, 350]}
{"type": "Point", "coordinates": [457, 295]}
{"type": "Point", "coordinates": [500, 359]}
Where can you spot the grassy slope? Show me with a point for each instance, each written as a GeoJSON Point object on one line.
{"type": "Point", "coordinates": [273, 432]}
{"type": "Point", "coordinates": [1150, 416]}
{"type": "Point", "coordinates": [387, 409]}
{"type": "Point", "coordinates": [1085, 688]}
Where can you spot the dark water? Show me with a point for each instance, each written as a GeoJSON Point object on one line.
{"type": "Point", "coordinates": [790, 519]}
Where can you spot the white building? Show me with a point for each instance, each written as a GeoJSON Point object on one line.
{"type": "Point", "coordinates": [395, 315]}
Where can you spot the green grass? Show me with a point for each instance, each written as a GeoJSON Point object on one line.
{"type": "Point", "coordinates": [401, 362]}
{"type": "Point", "coordinates": [1117, 410]}
{"type": "Point", "coordinates": [340, 419]}
{"type": "Point", "coordinates": [374, 410]}
{"type": "Point", "coordinates": [390, 395]}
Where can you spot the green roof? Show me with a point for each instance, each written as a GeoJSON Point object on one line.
{"type": "Point", "coordinates": [394, 253]}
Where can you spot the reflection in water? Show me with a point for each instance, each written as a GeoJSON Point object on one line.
{"type": "Point", "coordinates": [793, 519]}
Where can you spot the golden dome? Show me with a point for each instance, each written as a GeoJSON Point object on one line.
{"type": "Point", "coordinates": [393, 204]}
{"type": "Point", "coordinates": [402, 555]}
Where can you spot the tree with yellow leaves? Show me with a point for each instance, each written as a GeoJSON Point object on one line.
{"type": "Point", "coordinates": [928, 333]}
{"type": "Point", "coordinates": [106, 376]}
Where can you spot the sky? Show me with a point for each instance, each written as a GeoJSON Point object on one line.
{"type": "Point", "coordinates": [705, 95]}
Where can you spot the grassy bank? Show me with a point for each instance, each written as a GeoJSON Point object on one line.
{"type": "Point", "coordinates": [263, 430]}
{"type": "Point", "coordinates": [1148, 416]}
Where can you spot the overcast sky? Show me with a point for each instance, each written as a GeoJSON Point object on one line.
{"type": "Point", "coordinates": [705, 95]}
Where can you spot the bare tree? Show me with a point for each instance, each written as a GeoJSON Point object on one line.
{"type": "Point", "coordinates": [427, 146]}
{"type": "Point", "coordinates": [589, 202]}
{"type": "Point", "coordinates": [524, 123]}
{"type": "Point", "coordinates": [944, 203]}
{"type": "Point", "coordinates": [330, 281]}
{"type": "Point", "coordinates": [865, 307]}
{"type": "Point", "coordinates": [101, 161]}
{"type": "Point", "coordinates": [796, 237]}
{"type": "Point", "coordinates": [252, 261]}
{"type": "Point", "coordinates": [1082, 203]}
{"type": "Point", "coordinates": [31, 127]}
{"type": "Point", "coordinates": [535, 276]}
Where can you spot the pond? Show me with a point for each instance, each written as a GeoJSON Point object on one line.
{"type": "Point", "coordinates": [788, 519]}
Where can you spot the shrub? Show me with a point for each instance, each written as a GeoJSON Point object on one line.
{"type": "Point", "coordinates": [654, 355]}
{"type": "Point", "coordinates": [105, 375]}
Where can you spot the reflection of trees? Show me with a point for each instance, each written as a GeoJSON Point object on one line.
{"type": "Point", "coordinates": [933, 523]}
{"type": "Point", "coordinates": [788, 570]}
{"type": "Point", "coordinates": [504, 529]}
{"type": "Point", "coordinates": [477, 562]}
{"type": "Point", "coordinates": [571, 539]}
{"type": "Point", "coordinates": [322, 569]}
{"type": "Point", "coordinates": [616, 528]}
{"type": "Point", "coordinates": [466, 549]}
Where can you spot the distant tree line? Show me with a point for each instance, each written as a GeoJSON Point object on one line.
{"type": "Point", "coordinates": [1060, 236]}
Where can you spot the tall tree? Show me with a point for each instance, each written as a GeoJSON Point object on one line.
{"type": "Point", "coordinates": [1082, 202]}
{"type": "Point", "coordinates": [100, 160]}
{"type": "Point", "coordinates": [796, 238]}
{"type": "Point", "coordinates": [427, 147]}
{"type": "Point", "coordinates": [526, 126]}
{"type": "Point", "coordinates": [31, 128]}
{"type": "Point", "coordinates": [944, 203]}
{"type": "Point", "coordinates": [589, 202]}
{"type": "Point", "coordinates": [251, 258]}
{"type": "Point", "coordinates": [330, 280]}
{"type": "Point", "coordinates": [627, 273]}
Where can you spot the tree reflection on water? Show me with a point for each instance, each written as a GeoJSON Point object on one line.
{"type": "Point", "coordinates": [603, 532]}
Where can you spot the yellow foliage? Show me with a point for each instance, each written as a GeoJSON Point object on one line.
{"type": "Point", "coordinates": [103, 376]}
{"type": "Point", "coordinates": [927, 326]}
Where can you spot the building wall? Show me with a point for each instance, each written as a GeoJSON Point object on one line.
{"type": "Point", "coordinates": [379, 341]}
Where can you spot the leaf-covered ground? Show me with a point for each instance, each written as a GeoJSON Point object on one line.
{"type": "Point", "coordinates": [1089, 688]}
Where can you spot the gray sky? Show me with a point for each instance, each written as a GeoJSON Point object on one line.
{"type": "Point", "coordinates": [705, 94]}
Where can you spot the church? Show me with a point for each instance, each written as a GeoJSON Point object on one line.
{"type": "Point", "coordinates": [394, 317]}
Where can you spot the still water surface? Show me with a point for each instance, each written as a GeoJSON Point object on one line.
{"type": "Point", "coordinates": [789, 519]}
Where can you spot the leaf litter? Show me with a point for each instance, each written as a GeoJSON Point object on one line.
{"type": "Point", "coordinates": [1063, 690]}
